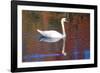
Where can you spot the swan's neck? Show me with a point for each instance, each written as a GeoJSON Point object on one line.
{"type": "Point", "coordinates": [63, 29]}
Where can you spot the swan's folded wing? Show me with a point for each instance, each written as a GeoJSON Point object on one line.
{"type": "Point", "coordinates": [52, 34]}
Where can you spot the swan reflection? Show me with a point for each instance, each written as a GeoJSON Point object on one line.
{"type": "Point", "coordinates": [50, 40]}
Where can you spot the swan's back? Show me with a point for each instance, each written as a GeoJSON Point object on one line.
{"type": "Point", "coordinates": [50, 34]}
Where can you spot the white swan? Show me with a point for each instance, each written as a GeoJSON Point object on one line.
{"type": "Point", "coordinates": [54, 36]}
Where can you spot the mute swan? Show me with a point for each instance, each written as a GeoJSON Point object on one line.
{"type": "Point", "coordinates": [54, 36]}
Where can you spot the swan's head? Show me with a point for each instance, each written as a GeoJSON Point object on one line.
{"type": "Point", "coordinates": [63, 20]}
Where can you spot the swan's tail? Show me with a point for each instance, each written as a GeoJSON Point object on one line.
{"type": "Point", "coordinates": [41, 32]}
